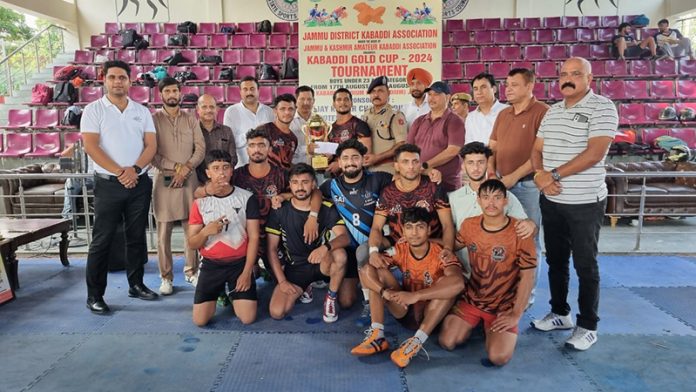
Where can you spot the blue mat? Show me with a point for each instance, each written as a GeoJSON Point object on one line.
{"type": "Point", "coordinates": [677, 301]}
{"type": "Point", "coordinates": [649, 271]}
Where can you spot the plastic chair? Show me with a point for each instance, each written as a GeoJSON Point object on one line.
{"type": "Point", "coordinates": [524, 37]}
{"type": "Point", "coordinates": [449, 54]}
{"type": "Point", "coordinates": [198, 41]}
{"type": "Point", "coordinates": [139, 94]}
{"type": "Point", "coordinates": [232, 95]}
{"type": "Point", "coordinates": [512, 24]}
{"type": "Point", "coordinates": [266, 94]}
{"type": "Point", "coordinates": [70, 138]}
{"type": "Point", "coordinates": [98, 41]}
{"type": "Point", "coordinates": [251, 57]}
{"type": "Point", "coordinates": [257, 41]}
{"type": "Point", "coordinates": [217, 92]}
{"type": "Point", "coordinates": [492, 24]}
{"type": "Point", "coordinates": [90, 94]}
{"type": "Point", "coordinates": [599, 68]}
{"type": "Point", "coordinates": [46, 144]}
{"type": "Point", "coordinates": [687, 67]}
{"type": "Point", "coordinates": [473, 69]}
{"type": "Point", "coordinates": [83, 57]}
{"type": "Point", "coordinates": [631, 114]}
{"type": "Point", "coordinates": [499, 70]}
{"type": "Point", "coordinates": [616, 68]}
{"type": "Point", "coordinates": [567, 35]}
{"type": "Point", "coordinates": [579, 50]}
{"type": "Point", "coordinates": [207, 28]}
{"type": "Point", "coordinates": [246, 28]}
{"type": "Point", "coordinates": [151, 28]}
{"type": "Point", "coordinates": [686, 89]}
{"type": "Point", "coordinates": [534, 52]}
{"type": "Point", "coordinates": [590, 21]}
{"type": "Point", "coordinates": [169, 28]}
{"type": "Point", "coordinates": [19, 119]}
{"type": "Point", "coordinates": [491, 53]}
{"type": "Point", "coordinates": [640, 68]}
{"type": "Point", "coordinates": [666, 67]}
{"type": "Point", "coordinates": [460, 38]}
{"type": "Point", "coordinates": [282, 27]}
{"type": "Point", "coordinates": [605, 34]}
{"type": "Point", "coordinates": [570, 21]}
{"type": "Point", "coordinates": [218, 41]}
{"type": "Point", "coordinates": [17, 145]}
{"type": "Point", "coordinates": [653, 110]}
{"type": "Point", "coordinates": [202, 73]}
{"type": "Point", "coordinates": [126, 55]}
{"type": "Point", "coordinates": [539, 91]}
{"type": "Point", "coordinates": [231, 56]}
{"type": "Point", "coordinates": [611, 21]}
{"type": "Point", "coordinates": [502, 37]}
{"type": "Point", "coordinates": [240, 41]}
{"type": "Point", "coordinates": [474, 24]}
{"type": "Point", "coordinates": [132, 26]}
{"type": "Point", "coordinates": [510, 53]}
{"type": "Point", "coordinates": [546, 69]}
{"type": "Point", "coordinates": [468, 53]}
{"type": "Point", "coordinates": [46, 119]}
{"type": "Point", "coordinates": [163, 54]}
{"type": "Point", "coordinates": [613, 89]}
{"type": "Point", "coordinates": [663, 89]}
{"type": "Point", "coordinates": [688, 135]}
{"type": "Point", "coordinates": [531, 23]}
{"type": "Point", "coordinates": [545, 36]}
{"type": "Point", "coordinates": [557, 52]}
{"type": "Point", "coordinates": [600, 51]}
{"type": "Point", "coordinates": [245, 70]}
{"type": "Point", "coordinates": [585, 35]}
{"type": "Point", "coordinates": [454, 24]}
{"type": "Point", "coordinates": [279, 90]}
{"type": "Point", "coordinates": [552, 22]}
{"type": "Point", "coordinates": [452, 71]}
{"type": "Point", "coordinates": [278, 41]}
{"type": "Point", "coordinates": [483, 37]}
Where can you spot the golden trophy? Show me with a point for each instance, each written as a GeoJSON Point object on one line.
{"type": "Point", "coordinates": [317, 130]}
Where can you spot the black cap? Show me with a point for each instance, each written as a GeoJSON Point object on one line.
{"type": "Point", "coordinates": [439, 87]}
{"type": "Point", "coordinates": [378, 81]}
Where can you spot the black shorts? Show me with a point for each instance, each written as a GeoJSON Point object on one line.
{"type": "Point", "coordinates": [303, 274]}
{"type": "Point", "coordinates": [351, 264]}
{"type": "Point", "coordinates": [414, 316]}
{"type": "Point", "coordinates": [212, 279]}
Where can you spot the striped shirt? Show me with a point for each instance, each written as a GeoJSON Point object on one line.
{"type": "Point", "coordinates": [566, 132]}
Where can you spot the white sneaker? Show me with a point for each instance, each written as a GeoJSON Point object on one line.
{"type": "Point", "coordinates": [166, 287]}
{"type": "Point", "coordinates": [330, 311]}
{"type": "Point", "coordinates": [192, 279]}
{"type": "Point", "coordinates": [553, 321]}
{"type": "Point", "coordinates": [581, 339]}
{"type": "Point", "coordinates": [320, 284]}
{"type": "Point", "coordinates": [307, 296]}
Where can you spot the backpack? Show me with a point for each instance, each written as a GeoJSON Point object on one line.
{"type": "Point", "coordinates": [227, 30]}
{"type": "Point", "coordinates": [187, 27]}
{"type": "Point", "coordinates": [177, 40]}
{"type": "Point", "coordinates": [65, 92]}
{"type": "Point", "coordinates": [72, 116]}
{"type": "Point", "coordinates": [176, 59]}
{"type": "Point", "coordinates": [183, 76]}
{"type": "Point", "coordinates": [226, 74]}
{"type": "Point", "coordinates": [148, 79]}
{"type": "Point", "coordinates": [264, 26]}
{"type": "Point", "coordinates": [159, 72]}
{"type": "Point", "coordinates": [268, 72]}
{"type": "Point", "coordinates": [210, 59]}
{"type": "Point", "coordinates": [189, 98]}
{"type": "Point", "coordinates": [41, 94]}
{"type": "Point", "coordinates": [640, 21]}
{"type": "Point", "coordinates": [291, 69]}
{"type": "Point", "coordinates": [140, 44]}
{"type": "Point", "coordinates": [67, 73]}
{"type": "Point", "coordinates": [667, 143]}
{"type": "Point", "coordinates": [128, 37]}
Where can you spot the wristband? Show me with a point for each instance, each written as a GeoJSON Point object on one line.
{"type": "Point", "coordinates": [374, 249]}
{"type": "Point", "coordinates": [314, 214]}
{"type": "Point", "coordinates": [137, 169]}
{"type": "Point", "coordinates": [328, 245]}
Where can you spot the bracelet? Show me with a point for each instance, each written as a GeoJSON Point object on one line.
{"type": "Point", "coordinates": [536, 174]}
{"type": "Point", "coordinates": [314, 214]}
{"type": "Point", "coordinates": [374, 249]}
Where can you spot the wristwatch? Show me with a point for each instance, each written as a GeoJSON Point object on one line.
{"type": "Point", "coordinates": [555, 175]}
{"type": "Point", "coordinates": [425, 166]}
{"type": "Point", "coordinates": [137, 169]}
{"type": "Point", "coordinates": [327, 244]}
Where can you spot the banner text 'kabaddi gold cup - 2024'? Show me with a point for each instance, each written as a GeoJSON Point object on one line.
{"type": "Point", "coordinates": [347, 43]}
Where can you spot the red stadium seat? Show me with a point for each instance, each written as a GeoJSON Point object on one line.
{"type": "Point", "coordinates": [169, 28]}
{"type": "Point", "coordinates": [686, 89]}
{"type": "Point", "coordinates": [280, 90]}
{"type": "Point", "coordinates": [499, 70]}
{"type": "Point", "coordinates": [666, 67]}
{"type": "Point", "coordinates": [139, 94]}
{"type": "Point", "coordinates": [534, 52]}
{"type": "Point", "coordinates": [47, 144]}
{"type": "Point", "coordinates": [640, 68]}
{"type": "Point", "coordinates": [251, 57]}
{"type": "Point", "coordinates": [449, 54]}
{"type": "Point", "coordinates": [240, 41]}
{"type": "Point", "coordinates": [294, 40]}
{"type": "Point", "coordinates": [474, 24]}
{"type": "Point", "coordinates": [580, 50]}
{"type": "Point", "coordinates": [490, 53]}
{"type": "Point", "coordinates": [492, 24]}
{"type": "Point", "coordinates": [662, 89]}
{"type": "Point", "coordinates": [198, 41]}
{"type": "Point", "coordinates": [545, 36]}
{"type": "Point", "coordinates": [613, 89]}
{"type": "Point", "coordinates": [244, 71]}
{"type": "Point", "coordinates": [557, 52]}
{"type": "Point", "coordinates": [70, 137]}
{"type": "Point", "coordinates": [687, 67]}
{"type": "Point", "coordinates": [162, 54]}
{"type": "Point", "coordinates": [246, 28]}
{"type": "Point", "coordinates": [552, 22]}
{"type": "Point", "coordinates": [190, 55]}
{"type": "Point", "coordinates": [546, 69]}
{"type": "Point", "coordinates": [147, 56]}
{"type": "Point", "coordinates": [218, 41]}
{"type": "Point", "coordinates": [202, 73]}
{"type": "Point", "coordinates": [512, 23]}
{"type": "Point", "coordinates": [636, 89]}
{"type": "Point", "coordinates": [468, 53]}
{"type": "Point", "coordinates": [683, 105]}
{"type": "Point", "coordinates": [217, 92]}
{"type": "Point", "coordinates": [231, 56]}
{"type": "Point", "coordinates": [585, 35]}
{"type": "Point", "coordinates": [454, 25]}
{"type": "Point", "coordinates": [524, 36]}
{"type": "Point", "coordinates": [567, 35]}
{"type": "Point", "coordinates": [473, 69]}
{"type": "Point", "coordinates": [266, 94]}
{"type": "Point", "coordinates": [90, 93]}
{"type": "Point", "coordinates": [46, 119]}
{"type": "Point", "coordinates": [17, 145]}
{"type": "Point", "coordinates": [282, 27]}
{"type": "Point", "coordinates": [158, 40]}
{"type": "Point", "coordinates": [599, 68]}
{"type": "Point", "coordinates": [616, 67]}
{"type": "Point", "coordinates": [83, 57]}
{"type": "Point", "coordinates": [531, 23]}
{"type": "Point", "coordinates": [132, 26]}
{"type": "Point", "coordinates": [151, 27]}
{"type": "Point", "coordinates": [648, 135]}
{"type": "Point", "coordinates": [483, 37]}
{"type": "Point", "coordinates": [111, 28]}
{"type": "Point", "coordinates": [452, 71]}
{"type": "Point", "coordinates": [19, 119]}
{"type": "Point", "coordinates": [207, 28]}
{"type": "Point", "coordinates": [461, 88]}
{"type": "Point", "coordinates": [600, 51]}
{"type": "Point", "coordinates": [460, 38]}
{"type": "Point", "coordinates": [540, 91]}
{"type": "Point", "coordinates": [98, 41]}
{"type": "Point", "coordinates": [275, 56]}
{"type": "Point", "coordinates": [605, 34]}
{"type": "Point", "coordinates": [502, 37]}
{"type": "Point", "coordinates": [126, 55]}
{"type": "Point", "coordinates": [688, 135]}
{"type": "Point", "coordinates": [278, 41]}
{"type": "Point", "coordinates": [631, 114]}
{"type": "Point", "coordinates": [653, 110]}
{"type": "Point", "coordinates": [611, 21]}
{"type": "Point", "coordinates": [570, 21]}
{"type": "Point", "coordinates": [232, 94]}
{"type": "Point", "coordinates": [511, 53]}
{"type": "Point", "coordinates": [522, 64]}
{"type": "Point", "coordinates": [257, 41]}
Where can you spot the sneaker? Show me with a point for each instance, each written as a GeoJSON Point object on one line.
{"type": "Point", "coordinates": [192, 279]}
{"type": "Point", "coordinates": [166, 287]}
{"type": "Point", "coordinates": [330, 312]}
{"type": "Point", "coordinates": [320, 284]}
{"type": "Point", "coordinates": [371, 344]}
{"type": "Point", "coordinates": [408, 349]}
{"type": "Point", "coordinates": [553, 321]}
{"type": "Point", "coordinates": [581, 339]}
{"type": "Point", "coordinates": [364, 320]}
{"type": "Point", "coordinates": [307, 296]}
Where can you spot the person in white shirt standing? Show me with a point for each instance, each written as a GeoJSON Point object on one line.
{"type": "Point", "coordinates": [305, 107]}
{"type": "Point", "coordinates": [418, 80]}
{"type": "Point", "coordinates": [245, 115]}
{"type": "Point", "coordinates": [479, 123]}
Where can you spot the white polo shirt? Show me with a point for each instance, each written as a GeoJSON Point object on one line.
{"type": "Point", "coordinates": [120, 134]}
{"type": "Point", "coordinates": [412, 111]}
{"type": "Point", "coordinates": [301, 151]}
{"type": "Point", "coordinates": [479, 126]}
{"type": "Point", "coordinates": [241, 120]}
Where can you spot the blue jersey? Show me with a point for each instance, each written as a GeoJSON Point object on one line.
{"type": "Point", "coordinates": [356, 202]}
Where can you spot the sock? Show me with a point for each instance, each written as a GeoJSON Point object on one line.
{"type": "Point", "coordinates": [422, 336]}
{"type": "Point", "coordinates": [366, 295]}
{"type": "Point", "coordinates": [380, 328]}
{"type": "Point", "coordinates": [331, 294]}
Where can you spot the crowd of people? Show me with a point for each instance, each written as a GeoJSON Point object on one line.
{"type": "Point", "coordinates": [434, 216]}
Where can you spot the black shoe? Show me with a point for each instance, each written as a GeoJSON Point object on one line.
{"type": "Point", "coordinates": [142, 292]}
{"type": "Point", "coordinates": [97, 305]}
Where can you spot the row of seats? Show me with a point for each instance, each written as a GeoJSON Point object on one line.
{"type": "Point", "coordinates": [579, 35]}
{"type": "Point", "coordinates": [39, 145]}
{"type": "Point", "coordinates": [161, 40]}
{"type": "Point", "coordinates": [158, 56]}
{"type": "Point", "coordinates": [631, 114]}
{"type": "Point", "coordinates": [203, 27]}
{"type": "Point", "coordinates": [536, 23]}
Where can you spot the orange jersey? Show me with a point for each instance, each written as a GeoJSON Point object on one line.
{"type": "Point", "coordinates": [496, 260]}
{"type": "Point", "coordinates": [421, 273]}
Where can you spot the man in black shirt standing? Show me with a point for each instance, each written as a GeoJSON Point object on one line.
{"type": "Point", "coordinates": [305, 262]}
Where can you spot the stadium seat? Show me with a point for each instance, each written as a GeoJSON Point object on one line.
{"type": "Point", "coordinates": [139, 94]}
{"type": "Point", "coordinates": [454, 25]}
{"type": "Point", "coordinates": [19, 119]}
{"type": "Point", "coordinates": [474, 24]}
{"type": "Point", "coordinates": [683, 105]}
{"type": "Point", "coordinates": [292, 53]}
{"type": "Point", "coordinates": [461, 88]}
{"type": "Point", "coordinates": [570, 21]}
{"type": "Point", "coordinates": [231, 25]}
{"type": "Point", "coordinates": [666, 67]}
{"type": "Point", "coordinates": [605, 34]}
{"type": "Point", "coordinates": [132, 26]}
{"type": "Point", "coordinates": [98, 41]}
{"type": "Point", "coordinates": [266, 94]}
{"type": "Point", "coordinates": [190, 55]}
{"type": "Point", "coordinates": [648, 136]}
{"type": "Point", "coordinates": [600, 51]}
{"type": "Point", "coordinates": [220, 116]}
{"type": "Point", "coordinates": [636, 89]}
{"type": "Point", "coordinates": [473, 69]}
{"type": "Point", "coordinates": [231, 56]}
{"type": "Point", "coordinates": [539, 91]}
{"type": "Point", "coordinates": [46, 144]}
{"type": "Point", "coordinates": [585, 35]}
{"type": "Point", "coordinates": [207, 28]}
{"type": "Point", "coordinates": [490, 53]}
{"type": "Point", "coordinates": [151, 27]}
{"type": "Point", "coordinates": [616, 67]}
{"type": "Point", "coordinates": [524, 36]}
{"type": "Point", "coordinates": [483, 37]}
{"type": "Point", "coordinates": [245, 70]}
{"type": "Point", "coordinates": [511, 53]}
{"type": "Point", "coordinates": [90, 93]}
{"type": "Point", "coordinates": [501, 93]}
{"type": "Point", "coordinates": [686, 89]}
{"type": "Point", "coordinates": [662, 89]}
{"type": "Point", "coordinates": [557, 52]}
{"type": "Point", "coordinates": [218, 41]}
{"type": "Point", "coordinates": [126, 55]}
{"type": "Point", "coordinates": [499, 70]}
{"type": "Point", "coordinates": [282, 27]}
{"type": "Point", "coordinates": [502, 37]}
{"type": "Point", "coordinates": [275, 56]}
{"type": "Point", "coordinates": [190, 90]}
{"type": "Point", "coordinates": [653, 110]}
{"type": "Point", "coordinates": [217, 92]}
{"type": "Point", "coordinates": [257, 41]}
{"type": "Point", "coordinates": [552, 22]}
{"type": "Point", "coordinates": [46, 119]}
{"type": "Point", "coordinates": [251, 57]}
{"type": "Point", "coordinates": [115, 41]}
{"type": "Point", "coordinates": [598, 68]}
{"type": "Point", "coordinates": [468, 53]}
{"type": "Point", "coordinates": [294, 40]}
{"type": "Point", "coordinates": [567, 35]}
{"type": "Point", "coordinates": [285, 90]}
{"type": "Point", "coordinates": [687, 67]}
{"type": "Point", "coordinates": [278, 41]}
{"type": "Point", "coordinates": [546, 69]}
{"type": "Point", "coordinates": [534, 52]}
{"type": "Point", "coordinates": [162, 54]}
{"type": "Point", "coordinates": [134, 71]}
{"type": "Point", "coordinates": [449, 54]}
{"type": "Point", "coordinates": [158, 40]}
{"type": "Point", "coordinates": [246, 27]}
{"type": "Point", "coordinates": [198, 41]}
{"type": "Point", "coordinates": [613, 89]}
{"type": "Point", "coordinates": [232, 94]}
{"type": "Point", "coordinates": [240, 41]}
{"type": "Point", "coordinates": [17, 145]}
{"type": "Point", "coordinates": [460, 38]}
{"type": "Point", "coordinates": [512, 24]}
{"type": "Point", "coordinates": [111, 28]}
{"type": "Point", "coordinates": [169, 28]}
{"type": "Point", "coordinates": [452, 71]}
{"type": "Point", "coordinates": [545, 36]}
{"type": "Point", "coordinates": [208, 52]}
{"type": "Point", "coordinates": [579, 50]}
{"type": "Point", "coordinates": [531, 23]}
{"type": "Point", "coordinates": [611, 21]}
{"type": "Point", "coordinates": [83, 57]}
{"type": "Point", "coordinates": [688, 135]}
{"type": "Point", "coordinates": [202, 73]}
{"type": "Point", "coordinates": [70, 137]}
{"type": "Point", "coordinates": [631, 114]}
{"type": "Point", "coordinates": [640, 68]}
{"type": "Point", "coordinates": [89, 72]}
{"type": "Point", "coordinates": [522, 64]}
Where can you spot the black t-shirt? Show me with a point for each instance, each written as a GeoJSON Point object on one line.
{"type": "Point", "coordinates": [354, 128]}
{"type": "Point", "coordinates": [283, 145]}
{"type": "Point", "coordinates": [356, 202]}
{"type": "Point", "coordinates": [288, 223]}
{"type": "Point", "coordinates": [272, 184]}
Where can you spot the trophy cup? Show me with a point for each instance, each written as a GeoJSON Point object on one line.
{"type": "Point", "coordinates": [317, 130]}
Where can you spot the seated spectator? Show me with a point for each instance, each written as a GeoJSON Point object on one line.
{"type": "Point", "coordinates": [626, 45]}
{"type": "Point", "coordinates": [672, 42]}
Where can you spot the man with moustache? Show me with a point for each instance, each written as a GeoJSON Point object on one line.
{"type": "Point", "coordinates": [305, 262]}
{"type": "Point", "coordinates": [345, 127]}
{"type": "Point", "coordinates": [180, 149]}
{"type": "Point", "coordinates": [217, 136]}
{"type": "Point", "coordinates": [479, 123]}
{"type": "Point", "coordinates": [440, 133]}
{"type": "Point", "coordinates": [283, 141]}
{"type": "Point", "coordinates": [388, 127]}
{"type": "Point", "coordinates": [120, 138]}
{"type": "Point", "coordinates": [246, 115]}
{"type": "Point", "coordinates": [568, 161]}
{"type": "Point", "coordinates": [418, 80]}
{"type": "Point", "coordinates": [305, 107]}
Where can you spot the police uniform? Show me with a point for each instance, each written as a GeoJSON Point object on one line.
{"type": "Point", "coordinates": [388, 127]}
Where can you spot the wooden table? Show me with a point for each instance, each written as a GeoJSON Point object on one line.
{"type": "Point", "coordinates": [18, 232]}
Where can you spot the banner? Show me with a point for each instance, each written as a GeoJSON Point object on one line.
{"type": "Point", "coordinates": [349, 43]}
{"type": "Point", "coordinates": [6, 293]}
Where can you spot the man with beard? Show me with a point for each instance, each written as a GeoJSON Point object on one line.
{"type": "Point", "coordinates": [388, 127]}
{"type": "Point", "coordinates": [464, 201]}
{"type": "Point", "coordinates": [283, 141]}
{"type": "Point", "coordinates": [440, 134]}
{"type": "Point", "coordinates": [418, 80]}
{"type": "Point", "coordinates": [120, 138]}
{"type": "Point", "coordinates": [568, 159]}
{"type": "Point", "coordinates": [345, 127]}
{"type": "Point", "coordinates": [246, 115]}
{"type": "Point", "coordinates": [305, 107]}
{"type": "Point", "coordinates": [305, 262]}
{"type": "Point", "coordinates": [180, 149]}
{"type": "Point", "coordinates": [217, 136]}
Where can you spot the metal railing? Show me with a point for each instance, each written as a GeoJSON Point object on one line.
{"type": "Point", "coordinates": [33, 55]}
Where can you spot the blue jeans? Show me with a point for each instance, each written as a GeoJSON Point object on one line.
{"type": "Point", "coordinates": [528, 195]}
{"type": "Point", "coordinates": [73, 189]}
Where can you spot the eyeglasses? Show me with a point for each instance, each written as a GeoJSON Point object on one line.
{"type": "Point", "coordinates": [574, 74]}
